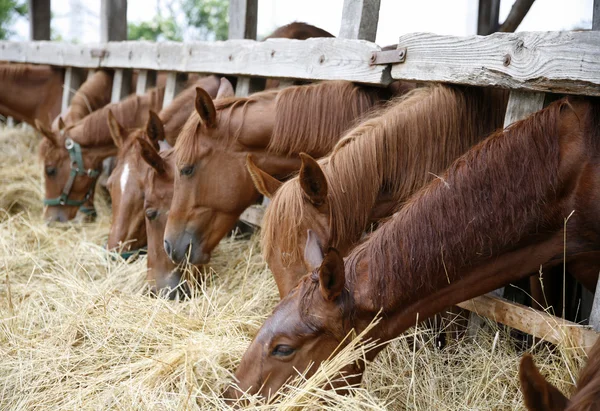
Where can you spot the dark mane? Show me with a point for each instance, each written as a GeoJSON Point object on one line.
{"type": "Point", "coordinates": [443, 228]}
{"type": "Point", "coordinates": [298, 30]}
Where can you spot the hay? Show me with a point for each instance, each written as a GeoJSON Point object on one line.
{"type": "Point", "coordinates": [78, 332]}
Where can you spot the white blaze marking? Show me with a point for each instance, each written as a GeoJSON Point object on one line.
{"type": "Point", "coordinates": [124, 177]}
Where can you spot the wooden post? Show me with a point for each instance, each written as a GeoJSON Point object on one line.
{"type": "Point", "coordinates": [360, 19]}
{"type": "Point", "coordinates": [145, 81]}
{"type": "Point", "coordinates": [175, 83]}
{"type": "Point", "coordinates": [121, 87]}
{"type": "Point", "coordinates": [487, 17]}
{"type": "Point", "coordinates": [243, 16]}
{"type": "Point", "coordinates": [39, 19]}
{"type": "Point", "coordinates": [74, 77]}
{"type": "Point", "coordinates": [113, 20]}
{"type": "Point", "coordinates": [90, 73]}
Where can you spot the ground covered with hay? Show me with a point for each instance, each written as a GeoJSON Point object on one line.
{"type": "Point", "coordinates": [77, 330]}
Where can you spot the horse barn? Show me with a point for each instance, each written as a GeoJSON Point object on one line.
{"type": "Point", "coordinates": [308, 221]}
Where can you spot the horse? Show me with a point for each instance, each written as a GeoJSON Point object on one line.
{"type": "Point", "coordinates": [498, 213]}
{"type": "Point", "coordinates": [212, 186]}
{"type": "Point", "coordinates": [72, 159]}
{"type": "Point", "coordinates": [125, 185]}
{"type": "Point", "coordinates": [540, 395]}
{"type": "Point", "coordinates": [373, 171]}
{"type": "Point", "coordinates": [30, 92]}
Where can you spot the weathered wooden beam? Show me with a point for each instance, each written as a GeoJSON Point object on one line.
{"type": "Point", "coordinates": [253, 215]}
{"type": "Point", "coordinates": [596, 15]}
{"type": "Point", "coordinates": [531, 321]}
{"type": "Point", "coordinates": [521, 104]}
{"type": "Point", "coordinates": [360, 19]}
{"type": "Point", "coordinates": [175, 84]}
{"type": "Point", "coordinates": [243, 17]}
{"type": "Point", "coordinates": [121, 86]}
{"type": "Point", "coordinates": [39, 19]}
{"type": "Point", "coordinates": [74, 78]}
{"type": "Point", "coordinates": [145, 81]}
{"type": "Point", "coordinates": [542, 61]}
{"type": "Point", "coordinates": [113, 20]}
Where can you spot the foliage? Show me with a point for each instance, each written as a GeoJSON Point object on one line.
{"type": "Point", "coordinates": [209, 18]}
{"type": "Point", "coordinates": [9, 10]}
{"type": "Point", "coordinates": [159, 28]}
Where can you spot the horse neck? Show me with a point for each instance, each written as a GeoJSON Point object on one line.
{"type": "Point", "coordinates": [250, 125]}
{"type": "Point", "coordinates": [494, 217]}
{"type": "Point", "coordinates": [32, 93]}
{"type": "Point", "coordinates": [93, 94]}
{"type": "Point", "coordinates": [385, 160]}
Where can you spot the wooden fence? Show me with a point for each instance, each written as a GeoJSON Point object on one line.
{"type": "Point", "coordinates": [530, 64]}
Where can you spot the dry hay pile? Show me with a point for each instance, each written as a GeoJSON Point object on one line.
{"type": "Point", "coordinates": [78, 332]}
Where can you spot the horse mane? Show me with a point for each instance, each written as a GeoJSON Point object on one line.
{"type": "Point", "coordinates": [587, 396]}
{"type": "Point", "coordinates": [30, 72]}
{"type": "Point", "coordinates": [95, 131]}
{"type": "Point", "coordinates": [442, 229]}
{"type": "Point", "coordinates": [426, 129]}
{"type": "Point", "coordinates": [93, 94]}
{"type": "Point", "coordinates": [298, 30]}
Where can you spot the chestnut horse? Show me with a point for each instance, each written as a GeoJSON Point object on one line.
{"type": "Point", "coordinates": [30, 92]}
{"type": "Point", "coordinates": [496, 215]}
{"type": "Point", "coordinates": [212, 185]}
{"type": "Point", "coordinates": [373, 171]}
{"type": "Point", "coordinates": [72, 158]}
{"type": "Point", "coordinates": [540, 395]}
{"type": "Point", "coordinates": [125, 184]}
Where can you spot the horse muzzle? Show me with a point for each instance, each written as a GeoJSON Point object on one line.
{"type": "Point", "coordinates": [186, 248]}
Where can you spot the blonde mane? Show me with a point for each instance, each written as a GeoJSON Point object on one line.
{"type": "Point", "coordinates": [307, 118]}
{"type": "Point", "coordinates": [399, 149]}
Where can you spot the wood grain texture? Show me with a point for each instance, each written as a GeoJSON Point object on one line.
{"type": "Point", "coordinates": [533, 322]}
{"type": "Point", "coordinates": [360, 19]}
{"type": "Point", "coordinates": [560, 62]}
{"type": "Point", "coordinates": [521, 104]}
{"type": "Point", "coordinates": [312, 59]}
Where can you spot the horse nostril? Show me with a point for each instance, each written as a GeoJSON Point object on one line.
{"type": "Point", "coordinates": [168, 248]}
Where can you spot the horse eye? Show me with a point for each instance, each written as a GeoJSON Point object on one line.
{"type": "Point", "coordinates": [283, 350]}
{"type": "Point", "coordinates": [187, 170]}
{"type": "Point", "coordinates": [151, 214]}
{"type": "Point", "coordinates": [51, 171]}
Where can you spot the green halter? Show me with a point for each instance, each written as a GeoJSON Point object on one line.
{"type": "Point", "coordinates": [77, 169]}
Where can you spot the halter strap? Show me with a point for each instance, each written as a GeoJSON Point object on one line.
{"type": "Point", "coordinates": [128, 254]}
{"type": "Point", "coordinates": [77, 169]}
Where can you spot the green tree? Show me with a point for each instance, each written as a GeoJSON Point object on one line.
{"type": "Point", "coordinates": [209, 18]}
{"type": "Point", "coordinates": [159, 28]}
{"type": "Point", "coordinates": [9, 10]}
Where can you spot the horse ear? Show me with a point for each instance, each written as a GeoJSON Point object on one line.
{"type": "Point", "coordinates": [61, 124]}
{"type": "Point", "coordinates": [206, 108]}
{"type": "Point", "coordinates": [313, 254]}
{"type": "Point", "coordinates": [265, 183]}
{"type": "Point", "coordinates": [331, 275]}
{"type": "Point", "coordinates": [117, 132]}
{"type": "Point", "coordinates": [538, 394]}
{"type": "Point", "coordinates": [155, 129]}
{"type": "Point", "coordinates": [312, 180]}
{"type": "Point", "coordinates": [225, 89]}
{"type": "Point", "coordinates": [151, 156]}
{"type": "Point", "coordinates": [46, 132]}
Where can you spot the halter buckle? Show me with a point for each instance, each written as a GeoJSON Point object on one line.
{"type": "Point", "coordinates": [69, 144]}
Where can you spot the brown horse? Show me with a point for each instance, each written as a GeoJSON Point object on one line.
{"type": "Point", "coordinates": [127, 229]}
{"type": "Point", "coordinates": [30, 92]}
{"type": "Point", "coordinates": [212, 185]}
{"type": "Point", "coordinates": [540, 395]}
{"type": "Point", "coordinates": [70, 172]}
{"type": "Point", "coordinates": [373, 171]}
{"type": "Point", "coordinates": [497, 214]}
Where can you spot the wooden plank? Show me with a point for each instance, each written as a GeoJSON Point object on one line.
{"type": "Point", "coordinates": [595, 314]}
{"type": "Point", "coordinates": [145, 81]}
{"type": "Point", "coordinates": [283, 83]}
{"type": "Point", "coordinates": [113, 20]}
{"type": "Point", "coordinates": [253, 215]}
{"type": "Point", "coordinates": [360, 19]}
{"type": "Point", "coordinates": [175, 84]}
{"type": "Point", "coordinates": [121, 86]}
{"type": "Point", "coordinates": [74, 78]}
{"type": "Point", "coordinates": [531, 321]}
{"type": "Point", "coordinates": [90, 73]}
{"type": "Point", "coordinates": [243, 17]}
{"type": "Point", "coordinates": [542, 61]}
{"type": "Point", "coordinates": [596, 15]}
{"type": "Point", "coordinates": [521, 104]}
{"type": "Point", "coordinates": [39, 19]}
